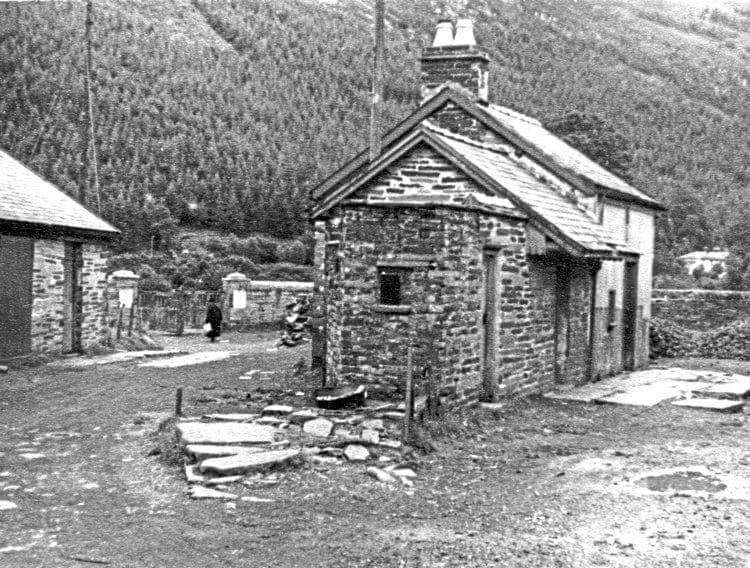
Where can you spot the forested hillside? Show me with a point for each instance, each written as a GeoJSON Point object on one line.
{"type": "Point", "coordinates": [224, 114]}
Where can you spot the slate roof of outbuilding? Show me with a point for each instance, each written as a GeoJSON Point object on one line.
{"type": "Point", "coordinates": [561, 153]}
{"type": "Point", "coordinates": [534, 196]}
{"type": "Point", "coordinates": [28, 199]}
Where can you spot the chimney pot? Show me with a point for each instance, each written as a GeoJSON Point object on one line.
{"type": "Point", "coordinates": [464, 33]}
{"type": "Point", "coordinates": [443, 34]}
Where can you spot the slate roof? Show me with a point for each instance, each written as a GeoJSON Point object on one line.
{"type": "Point", "coordinates": [537, 198]}
{"type": "Point", "coordinates": [561, 153]}
{"type": "Point", "coordinates": [27, 199]}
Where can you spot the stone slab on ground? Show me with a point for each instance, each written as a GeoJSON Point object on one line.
{"type": "Point", "coordinates": [203, 451]}
{"type": "Point", "coordinates": [7, 505]}
{"type": "Point", "coordinates": [224, 480]}
{"type": "Point", "coordinates": [232, 417]}
{"type": "Point", "coordinates": [721, 405]}
{"type": "Point", "coordinates": [277, 410]}
{"type": "Point", "coordinates": [737, 387]}
{"type": "Point", "coordinates": [225, 433]}
{"type": "Point", "coordinates": [585, 393]}
{"type": "Point", "coordinates": [200, 492]}
{"type": "Point", "coordinates": [244, 463]}
{"type": "Point", "coordinates": [191, 359]}
{"type": "Point", "coordinates": [644, 395]}
{"type": "Point", "coordinates": [193, 475]}
{"type": "Point", "coordinates": [319, 427]}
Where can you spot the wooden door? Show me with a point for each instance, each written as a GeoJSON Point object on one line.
{"type": "Point", "coordinates": [629, 314]}
{"type": "Point", "coordinates": [16, 272]}
{"type": "Point", "coordinates": [489, 327]}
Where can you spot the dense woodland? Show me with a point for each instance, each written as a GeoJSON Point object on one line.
{"type": "Point", "coordinates": [215, 114]}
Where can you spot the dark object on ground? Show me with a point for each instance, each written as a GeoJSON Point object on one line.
{"type": "Point", "coordinates": [334, 398]}
{"type": "Point", "coordinates": [295, 322]}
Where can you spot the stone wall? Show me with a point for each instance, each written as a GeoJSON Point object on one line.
{"type": "Point", "coordinates": [48, 290]}
{"type": "Point", "coordinates": [265, 301]}
{"type": "Point", "coordinates": [700, 309]}
{"type": "Point", "coordinates": [50, 312]}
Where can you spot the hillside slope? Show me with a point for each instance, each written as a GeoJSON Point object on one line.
{"type": "Point", "coordinates": [224, 114]}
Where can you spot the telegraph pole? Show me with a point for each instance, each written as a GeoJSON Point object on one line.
{"type": "Point", "coordinates": [377, 80]}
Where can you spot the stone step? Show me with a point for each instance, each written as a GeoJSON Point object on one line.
{"type": "Point", "coordinates": [204, 451]}
{"type": "Point", "coordinates": [224, 433]}
{"type": "Point", "coordinates": [721, 405]}
{"type": "Point", "coordinates": [244, 463]}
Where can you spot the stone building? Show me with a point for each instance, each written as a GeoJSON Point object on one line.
{"type": "Point", "coordinates": [508, 260]}
{"type": "Point", "coordinates": [53, 255]}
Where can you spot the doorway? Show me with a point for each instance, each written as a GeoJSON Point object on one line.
{"type": "Point", "coordinates": [562, 320]}
{"type": "Point", "coordinates": [73, 264]}
{"type": "Point", "coordinates": [489, 324]}
{"type": "Point", "coordinates": [629, 315]}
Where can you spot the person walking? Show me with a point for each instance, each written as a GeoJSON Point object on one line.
{"type": "Point", "coordinates": [213, 318]}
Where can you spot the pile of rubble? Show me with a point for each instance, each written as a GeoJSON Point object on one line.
{"type": "Point", "coordinates": [224, 449]}
{"type": "Point", "coordinates": [295, 322]}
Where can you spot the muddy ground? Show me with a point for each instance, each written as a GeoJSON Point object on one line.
{"type": "Point", "coordinates": [540, 483]}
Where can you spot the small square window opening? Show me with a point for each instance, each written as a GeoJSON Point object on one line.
{"type": "Point", "coordinates": [612, 309]}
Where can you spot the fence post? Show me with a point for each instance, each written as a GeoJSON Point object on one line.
{"type": "Point", "coordinates": [409, 398]}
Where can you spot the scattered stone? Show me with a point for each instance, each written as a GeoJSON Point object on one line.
{"type": "Point", "coordinates": [403, 472]}
{"type": "Point", "coordinates": [343, 432]}
{"type": "Point", "coordinates": [91, 485]}
{"type": "Point", "coordinates": [393, 415]}
{"type": "Point", "coordinates": [238, 417]}
{"type": "Point", "coordinates": [271, 420]}
{"type": "Point", "coordinates": [371, 436]}
{"type": "Point", "coordinates": [247, 462]}
{"type": "Point", "coordinates": [7, 505]}
{"type": "Point", "coordinates": [225, 433]}
{"type": "Point", "coordinates": [251, 499]}
{"type": "Point", "coordinates": [223, 480]}
{"type": "Point", "coordinates": [355, 452]}
{"type": "Point", "coordinates": [394, 444]}
{"type": "Point", "coordinates": [192, 474]}
{"type": "Point", "coordinates": [31, 456]}
{"type": "Point", "coordinates": [203, 451]}
{"type": "Point", "coordinates": [711, 404]}
{"type": "Point", "coordinates": [3, 369]}
{"type": "Point", "coordinates": [277, 410]}
{"type": "Point", "coordinates": [319, 427]}
{"type": "Point", "coordinates": [200, 492]}
{"type": "Point", "coordinates": [380, 475]}
{"type": "Point", "coordinates": [332, 451]}
{"type": "Point", "coordinates": [314, 451]}
{"type": "Point", "coordinates": [191, 359]}
{"type": "Point", "coordinates": [373, 424]}
{"type": "Point", "coordinates": [324, 460]}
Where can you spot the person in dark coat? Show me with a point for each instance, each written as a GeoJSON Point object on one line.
{"type": "Point", "coordinates": [213, 317]}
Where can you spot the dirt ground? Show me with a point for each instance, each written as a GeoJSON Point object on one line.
{"type": "Point", "coordinates": [538, 483]}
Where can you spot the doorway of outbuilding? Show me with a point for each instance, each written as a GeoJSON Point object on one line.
{"type": "Point", "coordinates": [629, 311]}
{"type": "Point", "coordinates": [73, 301]}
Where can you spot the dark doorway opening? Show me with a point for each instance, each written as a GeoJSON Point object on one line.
{"type": "Point", "coordinates": [73, 265]}
{"type": "Point", "coordinates": [629, 315]}
{"type": "Point", "coordinates": [489, 320]}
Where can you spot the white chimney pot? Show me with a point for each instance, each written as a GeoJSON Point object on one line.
{"type": "Point", "coordinates": [464, 33]}
{"type": "Point", "coordinates": [443, 34]}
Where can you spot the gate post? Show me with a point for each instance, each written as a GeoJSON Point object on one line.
{"type": "Point", "coordinates": [122, 296]}
{"type": "Point", "coordinates": [235, 288]}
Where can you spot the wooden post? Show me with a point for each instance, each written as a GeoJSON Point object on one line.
{"type": "Point", "coordinates": [409, 398]}
{"type": "Point", "coordinates": [178, 402]}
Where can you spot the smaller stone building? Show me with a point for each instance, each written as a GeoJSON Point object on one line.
{"type": "Point", "coordinates": [53, 256]}
{"type": "Point", "coordinates": [507, 260]}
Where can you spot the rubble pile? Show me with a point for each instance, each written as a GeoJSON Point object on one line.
{"type": "Point", "coordinates": [251, 449]}
{"type": "Point", "coordinates": [295, 322]}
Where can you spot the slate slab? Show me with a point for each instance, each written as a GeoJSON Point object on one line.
{"type": "Point", "coordinates": [721, 405]}
{"type": "Point", "coordinates": [244, 463]}
{"type": "Point", "coordinates": [191, 359]}
{"type": "Point", "coordinates": [737, 388]}
{"type": "Point", "coordinates": [646, 395]}
{"type": "Point", "coordinates": [277, 410]}
{"type": "Point", "coordinates": [319, 427]}
{"type": "Point", "coordinates": [7, 505]}
{"type": "Point", "coordinates": [302, 416]}
{"type": "Point", "coordinates": [193, 475]}
{"type": "Point", "coordinates": [200, 492]}
{"type": "Point", "coordinates": [224, 433]}
{"type": "Point", "coordinates": [203, 451]}
{"type": "Point", "coordinates": [235, 417]}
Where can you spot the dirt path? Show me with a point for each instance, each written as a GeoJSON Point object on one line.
{"type": "Point", "coordinates": [544, 484]}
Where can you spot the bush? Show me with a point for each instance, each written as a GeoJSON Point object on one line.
{"type": "Point", "coordinates": [731, 341]}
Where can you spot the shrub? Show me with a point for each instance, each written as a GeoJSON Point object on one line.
{"type": "Point", "coordinates": [669, 339]}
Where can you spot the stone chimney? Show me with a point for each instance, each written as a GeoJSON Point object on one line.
{"type": "Point", "coordinates": [455, 61]}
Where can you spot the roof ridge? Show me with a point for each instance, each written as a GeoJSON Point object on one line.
{"type": "Point", "coordinates": [516, 114]}
{"type": "Point", "coordinates": [498, 148]}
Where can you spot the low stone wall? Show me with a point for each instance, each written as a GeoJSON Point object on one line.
{"type": "Point", "coordinates": [700, 309]}
{"type": "Point", "coordinates": [265, 301]}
